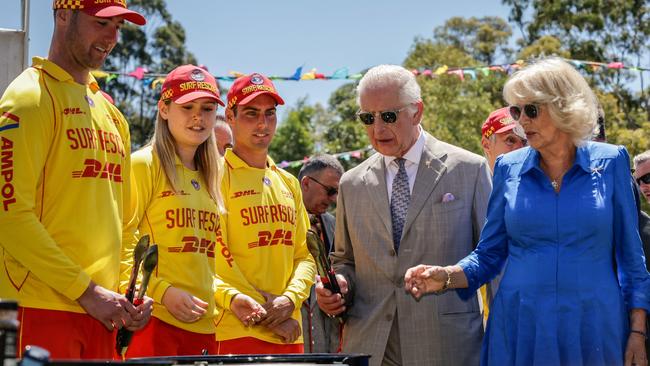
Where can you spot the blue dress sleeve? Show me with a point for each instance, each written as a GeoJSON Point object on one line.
{"type": "Point", "coordinates": [632, 274]}
{"type": "Point", "coordinates": [486, 261]}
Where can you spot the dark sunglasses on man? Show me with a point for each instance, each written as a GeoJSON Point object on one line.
{"type": "Point", "coordinates": [645, 179]}
{"type": "Point", "coordinates": [330, 190]}
{"type": "Point", "coordinates": [389, 116]}
{"type": "Point", "coordinates": [531, 111]}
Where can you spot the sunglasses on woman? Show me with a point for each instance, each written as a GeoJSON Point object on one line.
{"type": "Point", "coordinates": [390, 116]}
{"type": "Point", "coordinates": [530, 110]}
{"type": "Point", "coordinates": [645, 179]}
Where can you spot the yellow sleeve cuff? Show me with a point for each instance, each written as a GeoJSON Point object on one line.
{"type": "Point", "coordinates": [294, 299]}
{"type": "Point", "coordinates": [158, 291]}
{"type": "Point", "coordinates": [78, 286]}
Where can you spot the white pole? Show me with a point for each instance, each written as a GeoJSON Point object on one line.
{"type": "Point", "coordinates": [25, 26]}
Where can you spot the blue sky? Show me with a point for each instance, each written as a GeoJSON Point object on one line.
{"type": "Point", "coordinates": [275, 37]}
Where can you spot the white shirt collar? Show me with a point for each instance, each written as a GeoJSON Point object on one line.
{"type": "Point", "coordinates": [413, 155]}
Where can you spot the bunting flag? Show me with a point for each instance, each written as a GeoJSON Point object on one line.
{"type": "Point", "coordinates": [357, 154]}
{"type": "Point", "coordinates": [463, 73]}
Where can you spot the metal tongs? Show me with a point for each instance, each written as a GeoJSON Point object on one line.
{"type": "Point", "coordinates": [148, 256]}
{"type": "Point", "coordinates": [323, 267]}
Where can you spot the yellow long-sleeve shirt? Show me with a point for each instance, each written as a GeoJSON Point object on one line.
{"type": "Point", "coordinates": [265, 233]}
{"type": "Point", "coordinates": [184, 225]}
{"type": "Point", "coordinates": [64, 178]}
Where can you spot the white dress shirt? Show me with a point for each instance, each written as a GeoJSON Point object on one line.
{"type": "Point", "coordinates": [411, 164]}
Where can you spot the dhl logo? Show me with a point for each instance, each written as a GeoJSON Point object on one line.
{"type": "Point", "coordinates": [192, 244]}
{"type": "Point", "coordinates": [97, 169]}
{"type": "Point", "coordinates": [164, 194]}
{"type": "Point", "coordinates": [266, 238]}
{"type": "Point", "coordinates": [75, 110]}
{"type": "Point", "coordinates": [249, 192]}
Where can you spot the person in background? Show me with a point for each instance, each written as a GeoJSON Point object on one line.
{"type": "Point", "coordinates": [66, 183]}
{"type": "Point", "coordinates": [319, 181]}
{"type": "Point", "coordinates": [500, 134]}
{"type": "Point", "coordinates": [642, 173]}
{"type": "Point", "coordinates": [265, 230]}
{"type": "Point", "coordinates": [563, 214]}
{"type": "Point", "coordinates": [417, 199]}
{"type": "Point", "coordinates": [223, 133]}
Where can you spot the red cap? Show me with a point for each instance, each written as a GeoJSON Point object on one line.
{"type": "Point", "coordinates": [498, 121]}
{"type": "Point", "coordinates": [246, 88]}
{"type": "Point", "coordinates": [187, 83]}
{"type": "Point", "coordinates": [102, 9]}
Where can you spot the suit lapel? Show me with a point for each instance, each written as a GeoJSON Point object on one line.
{"type": "Point", "coordinates": [375, 182]}
{"type": "Point", "coordinates": [430, 171]}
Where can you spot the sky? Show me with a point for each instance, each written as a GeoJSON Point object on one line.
{"type": "Point", "coordinates": [276, 37]}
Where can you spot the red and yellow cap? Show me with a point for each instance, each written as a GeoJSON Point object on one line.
{"type": "Point", "coordinates": [102, 9]}
{"type": "Point", "coordinates": [187, 83]}
{"type": "Point", "coordinates": [246, 88]}
{"type": "Point", "coordinates": [498, 121]}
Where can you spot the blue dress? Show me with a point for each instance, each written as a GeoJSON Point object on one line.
{"type": "Point", "coordinates": [559, 301]}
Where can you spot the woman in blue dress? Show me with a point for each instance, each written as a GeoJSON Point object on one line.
{"type": "Point", "coordinates": [562, 216]}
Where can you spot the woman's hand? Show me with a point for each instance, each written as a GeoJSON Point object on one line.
{"type": "Point", "coordinates": [424, 279]}
{"type": "Point", "coordinates": [183, 306]}
{"type": "Point", "coordinates": [635, 350]}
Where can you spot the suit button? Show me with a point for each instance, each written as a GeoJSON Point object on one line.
{"type": "Point", "coordinates": [389, 317]}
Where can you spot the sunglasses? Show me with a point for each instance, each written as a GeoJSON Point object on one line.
{"type": "Point", "coordinates": [368, 118]}
{"type": "Point", "coordinates": [531, 111]}
{"type": "Point", "coordinates": [645, 179]}
{"type": "Point", "coordinates": [330, 190]}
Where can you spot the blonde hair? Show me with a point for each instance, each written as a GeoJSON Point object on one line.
{"type": "Point", "coordinates": [206, 158]}
{"type": "Point", "coordinates": [554, 83]}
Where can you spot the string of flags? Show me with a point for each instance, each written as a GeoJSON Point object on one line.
{"type": "Point", "coordinates": [154, 80]}
{"type": "Point", "coordinates": [356, 154]}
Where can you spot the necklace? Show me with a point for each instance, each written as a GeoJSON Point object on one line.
{"type": "Point", "coordinates": [555, 184]}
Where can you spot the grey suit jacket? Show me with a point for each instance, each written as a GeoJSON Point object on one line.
{"type": "Point", "coordinates": [438, 329]}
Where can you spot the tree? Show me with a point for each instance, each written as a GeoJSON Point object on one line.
{"type": "Point", "coordinates": [294, 139]}
{"type": "Point", "coordinates": [158, 46]}
{"type": "Point", "coordinates": [482, 38]}
{"type": "Point", "coordinates": [595, 30]}
{"type": "Point", "coordinates": [454, 108]}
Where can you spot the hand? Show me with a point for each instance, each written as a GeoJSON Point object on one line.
{"type": "Point", "coordinates": [278, 309]}
{"type": "Point", "coordinates": [423, 279]}
{"type": "Point", "coordinates": [331, 304]}
{"type": "Point", "coordinates": [183, 306]}
{"type": "Point", "coordinates": [635, 350]}
{"type": "Point", "coordinates": [110, 308]}
{"type": "Point", "coordinates": [289, 330]}
{"type": "Point", "coordinates": [139, 320]}
{"type": "Point", "coordinates": [247, 310]}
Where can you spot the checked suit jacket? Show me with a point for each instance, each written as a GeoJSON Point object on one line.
{"type": "Point", "coordinates": [437, 329]}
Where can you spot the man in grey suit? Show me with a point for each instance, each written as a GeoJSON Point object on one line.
{"type": "Point", "coordinates": [418, 199]}
{"type": "Point", "coordinates": [319, 181]}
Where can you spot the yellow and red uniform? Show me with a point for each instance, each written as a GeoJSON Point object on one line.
{"type": "Point", "coordinates": [265, 230]}
{"type": "Point", "coordinates": [64, 183]}
{"type": "Point", "coordinates": [184, 225]}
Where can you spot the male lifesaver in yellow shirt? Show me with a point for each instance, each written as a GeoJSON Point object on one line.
{"type": "Point", "coordinates": [64, 183]}
{"type": "Point", "coordinates": [265, 231]}
{"type": "Point", "coordinates": [178, 204]}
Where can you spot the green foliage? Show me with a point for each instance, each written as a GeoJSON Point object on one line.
{"type": "Point", "coordinates": [159, 46]}
{"type": "Point", "coordinates": [294, 139]}
{"type": "Point", "coordinates": [481, 38]}
{"type": "Point", "coordinates": [596, 30]}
